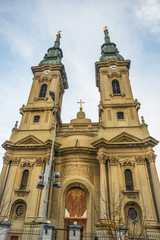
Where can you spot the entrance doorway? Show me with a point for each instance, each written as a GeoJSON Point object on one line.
{"type": "Point", "coordinates": [75, 209]}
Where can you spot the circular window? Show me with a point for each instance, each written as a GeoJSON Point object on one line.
{"type": "Point", "coordinates": [132, 213]}
{"type": "Point", "coordinates": [20, 210]}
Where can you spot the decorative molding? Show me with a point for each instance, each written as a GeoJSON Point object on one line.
{"type": "Point", "coordinates": [124, 71]}
{"type": "Point", "coordinates": [74, 169]}
{"type": "Point", "coordinates": [54, 76]}
{"type": "Point", "coordinates": [127, 162]}
{"type": "Point", "coordinates": [26, 163]}
{"type": "Point", "coordinates": [40, 160]}
{"type": "Point", "coordinates": [37, 77]}
{"type": "Point", "coordinates": [113, 160]}
{"type": "Point", "coordinates": [104, 72]}
{"type": "Point", "coordinates": [16, 160]}
{"type": "Point", "coordinates": [140, 159]}
{"type": "Point", "coordinates": [114, 74]}
{"type": "Point", "coordinates": [45, 79]}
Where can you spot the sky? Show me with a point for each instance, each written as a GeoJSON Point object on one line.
{"type": "Point", "coordinates": [29, 28]}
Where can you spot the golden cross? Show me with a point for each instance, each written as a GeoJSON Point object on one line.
{"type": "Point", "coordinates": [105, 29]}
{"type": "Point", "coordinates": [81, 104]}
{"type": "Point", "coordinates": [59, 33]}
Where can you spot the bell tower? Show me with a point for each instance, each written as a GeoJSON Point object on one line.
{"type": "Point", "coordinates": [117, 106]}
{"type": "Point", "coordinates": [48, 75]}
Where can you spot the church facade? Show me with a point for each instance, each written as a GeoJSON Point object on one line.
{"type": "Point", "coordinates": [100, 162]}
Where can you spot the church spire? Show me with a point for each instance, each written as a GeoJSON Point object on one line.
{"type": "Point", "coordinates": [108, 49]}
{"type": "Point", "coordinates": [54, 54]}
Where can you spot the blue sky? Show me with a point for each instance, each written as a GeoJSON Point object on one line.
{"type": "Point", "coordinates": [28, 29]}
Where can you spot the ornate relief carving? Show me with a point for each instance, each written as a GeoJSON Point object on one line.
{"type": "Point", "coordinates": [26, 163]}
{"type": "Point", "coordinates": [54, 76]}
{"type": "Point", "coordinates": [127, 162]}
{"type": "Point", "coordinates": [114, 74]}
{"type": "Point", "coordinates": [6, 159]}
{"type": "Point", "coordinates": [82, 170]}
{"type": "Point", "coordinates": [40, 160]}
{"type": "Point", "coordinates": [113, 159]}
{"type": "Point", "coordinates": [140, 159]}
{"type": "Point", "coordinates": [16, 160]}
{"type": "Point", "coordinates": [102, 158]}
{"type": "Point", "coordinates": [104, 72]}
{"type": "Point", "coordinates": [131, 196]}
{"type": "Point", "coordinates": [151, 157]}
{"type": "Point", "coordinates": [38, 77]}
{"type": "Point", "coordinates": [124, 71]}
{"type": "Point", "coordinates": [45, 79]}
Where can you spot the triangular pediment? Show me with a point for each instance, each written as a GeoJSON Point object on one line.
{"type": "Point", "coordinates": [125, 138]}
{"type": "Point", "coordinates": [29, 140]}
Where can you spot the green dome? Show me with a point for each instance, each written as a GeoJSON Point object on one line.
{"type": "Point", "coordinates": [109, 50]}
{"type": "Point", "coordinates": [54, 54]}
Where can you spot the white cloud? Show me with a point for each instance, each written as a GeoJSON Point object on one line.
{"type": "Point", "coordinates": [148, 13]}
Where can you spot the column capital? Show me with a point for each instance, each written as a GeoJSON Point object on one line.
{"type": "Point", "coordinates": [151, 157]}
{"type": "Point", "coordinates": [102, 157]}
{"type": "Point", "coordinates": [140, 159]}
{"type": "Point", "coordinates": [6, 159]}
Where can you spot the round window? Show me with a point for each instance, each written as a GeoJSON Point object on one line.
{"type": "Point", "coordinates": [132, 213]}
{"type": "Point", "coordinates": [20, 210]}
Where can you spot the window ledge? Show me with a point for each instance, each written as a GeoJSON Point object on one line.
{"type": "Point", "coordinates": [41, 98]}
{"type": "Point", "coordinates": [132, 194]}
{"type": "Point", "coordinates": [117, 94]}
{"type": "Point", "coordinates": [22, 190]}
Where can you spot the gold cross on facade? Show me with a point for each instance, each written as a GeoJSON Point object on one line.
{"type": "Point", "coordinates": [59, 33]}
{"type": "Point", "coordinates": [80, 102]}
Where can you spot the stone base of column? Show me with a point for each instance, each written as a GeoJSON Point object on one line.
{"type": "Point", "coordinates": [4, 230]}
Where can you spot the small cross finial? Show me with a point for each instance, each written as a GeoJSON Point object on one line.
{"type": "Point", "coordinates": [80, 102]}
{"type": "Point", "coordinates": [105, 29]}
{"type": "Point", "coordinates": [59, 33]}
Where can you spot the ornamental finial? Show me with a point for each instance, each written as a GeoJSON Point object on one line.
{"type": "Point", "coordinates": [81, 102]}
{"type": "Point", "coordinates": [59, 33]}
{"type": "Point", "coordinates": [105, 29]}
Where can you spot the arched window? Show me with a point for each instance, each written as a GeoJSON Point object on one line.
{"type": "Point", "coordinates": [24, 179]}
{"type": "Point", "coordinates": [115, 86]}
{"type": "Point", "coordinates": [43, 90]}
{"type": "Point", "coordinates": [120, 115]}
{"type": "Point", "coordinates": [129, 180]}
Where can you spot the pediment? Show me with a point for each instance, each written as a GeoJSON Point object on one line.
{"type": "Point", "coordinates": [29, 140]}
{"type": "Point", "coordinates": [125, 138]}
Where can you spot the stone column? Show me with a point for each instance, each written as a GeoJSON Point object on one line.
{"type": "Point", "coordinates": [103, 185]}
{"type": "Point", "coordinates": [155, 181]}
{"type": "Point", "coordinates": [3, 174]}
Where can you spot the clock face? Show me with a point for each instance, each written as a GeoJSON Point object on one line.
{"type": "Point", "coordinates": [113, 67]}
{"type": "Point", "coordinates": [46, 72]}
